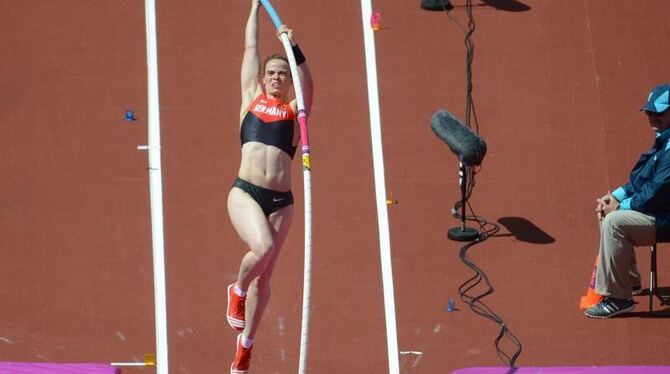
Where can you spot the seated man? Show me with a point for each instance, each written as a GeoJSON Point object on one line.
{"type": "Point", "coordinates": [635, 214]}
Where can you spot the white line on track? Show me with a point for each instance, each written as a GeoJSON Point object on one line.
{"type": "Point", "coordinates": [156, 191]}
{"type": "Point", "coordinates": [380, 188]}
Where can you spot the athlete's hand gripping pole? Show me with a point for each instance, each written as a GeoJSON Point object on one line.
{"type": "Point", "coordinates": [297, 86]}
{"type": "Point", "coordinates": [307, 167]}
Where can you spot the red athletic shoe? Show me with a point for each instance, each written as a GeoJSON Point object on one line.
{"type": "Point", "coordinates": [242, 358]}
{"type": "Point", "coordinates": [235, 311]}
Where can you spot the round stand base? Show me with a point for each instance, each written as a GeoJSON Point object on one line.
{"type": "Point", "coordinates": [463, 235]}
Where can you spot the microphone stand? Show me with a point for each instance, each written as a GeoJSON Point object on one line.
{"type": "Point", "coordinates": [463, 233]}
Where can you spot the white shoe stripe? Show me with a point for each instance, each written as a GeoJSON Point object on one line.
{"type": "Point", "coordinates": [240, 325]}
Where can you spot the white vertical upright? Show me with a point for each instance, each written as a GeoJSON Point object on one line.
{"type": "Point", "coordinates": [156, 191]}
{"type": "Point", "coordinates": [380, 188]}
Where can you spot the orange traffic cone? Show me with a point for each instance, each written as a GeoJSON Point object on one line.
{"type": "Point", "coordinates": [591, 298]}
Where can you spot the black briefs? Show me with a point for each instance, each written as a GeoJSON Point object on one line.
{"type": "Point", "coordinates": [270, 201]}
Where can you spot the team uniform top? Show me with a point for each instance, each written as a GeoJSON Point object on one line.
{"type": "Point", "coordinates": [269, 121]}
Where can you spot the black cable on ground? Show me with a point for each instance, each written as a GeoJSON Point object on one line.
{"type": "Point", "coordinates": [475, 302]}
{"type": "Point", "coordinates": [487, 229]}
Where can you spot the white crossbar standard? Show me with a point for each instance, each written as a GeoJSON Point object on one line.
{"type": "Point", "coordinates": [156, 191]}
{"type": "Point", "coordinates": [380, 188]}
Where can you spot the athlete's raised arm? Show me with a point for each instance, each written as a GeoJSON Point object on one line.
{"type": "Point", "coordinates": [304, 73]}
{"type": "Point", "coordinates": [251, 59]}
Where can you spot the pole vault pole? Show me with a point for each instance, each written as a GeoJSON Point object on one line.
{"type": "Point", "coordinates": [307, 179]}
{"type": "Point", "coordinates": [156, 191]}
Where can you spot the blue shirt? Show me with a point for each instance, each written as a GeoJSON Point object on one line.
{"type": "Point", "coordinates": [648, 189]}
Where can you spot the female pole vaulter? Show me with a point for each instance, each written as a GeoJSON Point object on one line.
{"type": "Point", "coordinates": [260, 203]}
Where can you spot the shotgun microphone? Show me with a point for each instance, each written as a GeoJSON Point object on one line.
{"type": "Point", "coordinates": [436, 5]}
{"type": "Point", "coordinates": [463, 142]}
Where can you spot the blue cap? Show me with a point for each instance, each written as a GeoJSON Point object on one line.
{"type": "Point", "coordinates": [658, 99]}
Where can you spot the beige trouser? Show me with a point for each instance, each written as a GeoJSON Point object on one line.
{"type": "Point", "coordinates": [620, 232]}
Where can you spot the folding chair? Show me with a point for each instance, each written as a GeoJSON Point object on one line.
{"type": "Point", "coordinates": [653, 279]}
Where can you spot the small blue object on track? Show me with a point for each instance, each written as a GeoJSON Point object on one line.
{"type": "Point", "coordinates": [451, 305]}
{"type": "Point", "coordinates": [130, 115]}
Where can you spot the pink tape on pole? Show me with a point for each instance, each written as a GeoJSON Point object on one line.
{"type": "Point", "coordinates": [51, 368]}
{"type": "Point", "coordinates": [302, 121]}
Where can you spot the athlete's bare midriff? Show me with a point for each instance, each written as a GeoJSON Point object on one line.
{"type": "Point", "coordinates": [266, 166]}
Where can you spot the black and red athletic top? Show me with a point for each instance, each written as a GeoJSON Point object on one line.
{"type": "Point", "coordinates": [269, 121]}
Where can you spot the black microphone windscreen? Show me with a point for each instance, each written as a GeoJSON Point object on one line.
{"type": "Point", "coordinates": [436, 5]}
{"type": "Point", "coordinates": [463, 142]}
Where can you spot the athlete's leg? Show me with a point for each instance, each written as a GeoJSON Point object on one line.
{"type": "Point", "coordinates": [264, 239]}
{"type": "Point", "coordinates": [259, 291]}
{"type": "Point", "coordinates": [255, 231]}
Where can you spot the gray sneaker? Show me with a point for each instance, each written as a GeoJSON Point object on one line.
{"type": "Point", "coordinates": [610, 307]}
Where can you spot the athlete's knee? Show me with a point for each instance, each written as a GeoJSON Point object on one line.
{"type": "Point", "coordinates": [264, 249]}
{"type": "Point", "coordinates": [262, 283]}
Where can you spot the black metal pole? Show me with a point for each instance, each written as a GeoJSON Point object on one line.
{"type": "Point", "coordinates": [463, 233]}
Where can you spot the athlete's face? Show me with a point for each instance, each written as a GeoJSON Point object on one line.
{"type": "Point", "coordinates": [277, 78]}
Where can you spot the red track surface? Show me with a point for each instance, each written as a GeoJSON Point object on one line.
{"type": "Point", "coordinates": [557, 90]}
